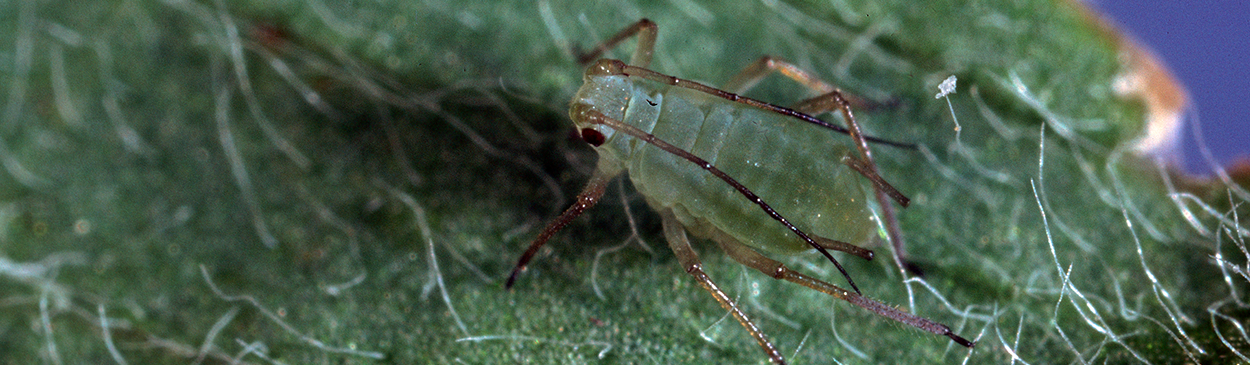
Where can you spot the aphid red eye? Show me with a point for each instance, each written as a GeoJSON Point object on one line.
{"type": "Point", "coordinates": [593, 137]}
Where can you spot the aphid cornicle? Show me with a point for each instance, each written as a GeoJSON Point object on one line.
{"type": "Point", "coordinates": [748, 175]}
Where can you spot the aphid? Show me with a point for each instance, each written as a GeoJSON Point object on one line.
{"type": "Point", "coordinates": [695, 152]}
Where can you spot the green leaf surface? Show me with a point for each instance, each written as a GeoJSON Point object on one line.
{"type": "Point", "coordinates": [350, 182]}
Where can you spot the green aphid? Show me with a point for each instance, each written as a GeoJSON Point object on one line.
{"type": "Point", "coordinates": [749, 175]}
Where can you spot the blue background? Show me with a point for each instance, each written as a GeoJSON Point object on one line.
{"type": "Point", "coordinates": [1206, 44]}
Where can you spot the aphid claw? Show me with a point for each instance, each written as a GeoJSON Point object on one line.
{"type": "Point", "coordinates": [960, 340]}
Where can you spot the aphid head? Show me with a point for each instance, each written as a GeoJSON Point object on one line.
{"type": "Point", "coordinates": [604, 90]}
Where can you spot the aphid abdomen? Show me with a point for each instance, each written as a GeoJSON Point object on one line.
{"type": "Point", "coordinates": [793, 166]}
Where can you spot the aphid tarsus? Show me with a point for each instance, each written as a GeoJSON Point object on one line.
{"type": "Point", "coordinates": [710, 161]}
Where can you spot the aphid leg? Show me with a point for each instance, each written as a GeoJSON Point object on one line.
{"type": "Point", "coordinates": [756, 71]}
{"type": "Point", "coordinates": [868, 168]}
{"type": "Point", "coordinates": [587, 198]}
{"type": "Point", "coordinates": [595, 117]}
{"type": "Point", "coordinates": [836, 245]}
{"type": "Point", "coordinates": [645, 29]}
{"type": "Point", "coordinates": [676, 236]}
{"type": "Point", "coordinates": [877, 182]}
{"type": "Point", "coordinates": [749, 257]}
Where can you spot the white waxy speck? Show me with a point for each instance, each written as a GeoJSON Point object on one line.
{"type": "Point", "coordinates": [946, 87]}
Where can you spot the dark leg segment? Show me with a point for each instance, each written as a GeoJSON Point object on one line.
{"type": "Point", "coordinates": [836, 245]}
{"type": "Point", "coordinates": [676, 237]}
{"type": "Point", "coordinates": [752, 74]}
{"type": "Point", "coordinates": [645, 29]}
{"type": "Point", "coordinates": [749, 257]}
{"type": "Point", "coordinates": [586, 199]}
{"type": "Point", "coordinates": [756, 71]}
{"type": "Point", "coordinates": [877, 182]}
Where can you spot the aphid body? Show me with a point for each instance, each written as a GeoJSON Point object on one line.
{"type": "Point", "coordinates": [793, 166]}
{"type": "Point", "coordinates": [746, 174]}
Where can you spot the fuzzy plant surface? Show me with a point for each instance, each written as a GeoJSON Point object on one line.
{"type": "Point", "coordinates": [305, 182]}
